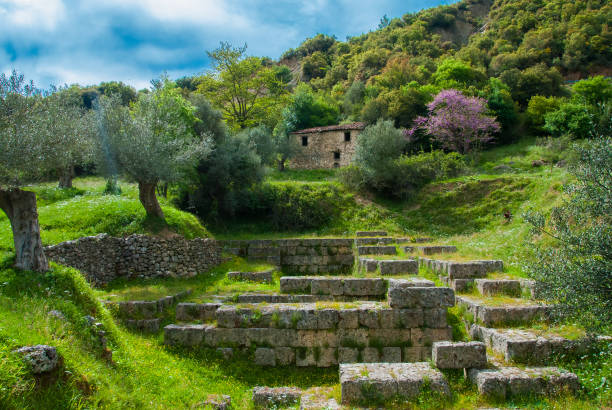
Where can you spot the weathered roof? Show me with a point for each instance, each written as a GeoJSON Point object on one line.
{"type": "Point", "coordinates": [341, 127]}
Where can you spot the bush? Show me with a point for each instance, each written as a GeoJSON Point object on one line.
{"type": "Point", "coordinates": [407, 174]}
{"type": "Point", "coordinates": [570, 119]}
{"type": "Point", "coordinates": [294, 207]}
{"type": "Point", "coordinates": [377, 147]}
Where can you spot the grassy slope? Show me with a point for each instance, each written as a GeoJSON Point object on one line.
{"type": "Point", "coordinates": [146, 374]}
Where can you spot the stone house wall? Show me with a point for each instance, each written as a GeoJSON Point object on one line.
{"type": "Point", "coordinates": [103, 258]}
{"type": "Point", "coordinates": [323, 148]}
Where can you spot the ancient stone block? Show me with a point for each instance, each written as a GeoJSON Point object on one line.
{"type": "Point", "coordinates": [391, 354]}
{"type": "Point", "coordinates": [376, 250]}
{"type": "Point", "coordinates": [410, 283]}
{"type": "Point", "coordinates": [188, 312]}
{"type": "Point", "coordinates": [410, 318]}
{"type": "Point", "coordinates": [503, 315]}
{"type": "Point", "coordinates": [362, 234]}
{"type": "Point", "coordinates": [295, 284]}
{"type": "Point", "coordinates": [369, 318]}
{"type": "Point", "coordinates": [425, 297]}
{"type": "Point", "coordinates": [374, 241]}
{"type": "Point", "coordinates": [304, 357]}
{"type": "Point", "coordinates": [348, 355]}
{"type": "Point", "coordinates": [459, 355]}
{"type": "Point", "coordinates": [265, 357]}
{"type": "Point", "coordinates": [399, 267]}
{"type": "Point", "coordinates": [184, 335]}
{"type": "Point", "coordinates": [416, 354]}
{"type": "Point", "coordinates": [490, 287]}
{"type": "Point", "coordinates": [432, 250]}
{"type": "Point", "coordinates": [364, 287]}
{"type": "Point", "coordinates": [144, 325]}
{"type": "Point", "coordinates": [370, 355]}
{"type": "Point", "coordinates": [368, 265]}
{"type": "Point", "coordinates": [225, 352]}
{"type": "Point", "coordinates": [285, 356]}
{"type": "Point", "coordinates": [380, 381]}
{"type": "Point", "coordinates": [506, 382]}
{"type": "Point", "coordinates": [435, 318]}
{"type": "Point", "coordinates": [326, 356]}
{"type": "Point", "coordinates": [348, 318]}
{"type": "Point", "coordinates": [327, 286]}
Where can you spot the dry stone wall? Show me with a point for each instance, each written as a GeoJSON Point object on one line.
{"type": "Point", "coordinates": [300, 256]}
{"type": "Point", "coordinates": [103, 258]}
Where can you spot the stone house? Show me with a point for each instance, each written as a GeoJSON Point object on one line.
{"type": "Point", "coordinates": [326, 147]}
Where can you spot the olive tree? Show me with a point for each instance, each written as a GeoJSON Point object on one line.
{"type": "Point", "coordinates": [152, 142]}
{"type": "Point", "coordinates": [69, 128]}
{"type": "Point", "coordinates": [23, 158]}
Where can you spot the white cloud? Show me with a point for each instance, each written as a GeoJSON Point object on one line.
{"type": "Point", "coordinates": [45, 14]}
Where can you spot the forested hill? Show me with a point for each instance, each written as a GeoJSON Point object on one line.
{"type": "Point", "coordinates": [531, 46]}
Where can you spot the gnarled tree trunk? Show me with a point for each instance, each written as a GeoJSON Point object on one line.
{"type": "Point", "coordinates": [20, 207]}
{"type": "Point", "coordinates": [65, 177]}
{"type": "Point", "coordinates": [148, 199]}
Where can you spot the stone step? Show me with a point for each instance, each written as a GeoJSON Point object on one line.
{"type": "Point", "coordinates": [385, 240]}
{"type": "Point", "coordinates": [376, 250]}
{"type": "Point", "coordinates": [322, 348]}
{"type": "Point", "coordinates": [361, 234]}
{"type": "Point", "coordinates": [506, 382]}
{"type": "Point", "coordinates": [144, 325]}
{"type": "Point", "coordinates": [505, 315]}
{"type": "Point", "coordinates": [390, 267]}
{"type": "Point", "coordinates": [310, 316]}
{"type": "Point", "coordinates": [147, 309]}
{"type": "Point", "coordinates": [420, 297]}
{"type": "Point", "coordinates": [373, 383]}
{"type": "Point", "coordinates": [191, 312]}
{"type": "Point", "coordinates": [527, 347]}
{"type": "Point", "coordinates": [459, 355]}
{"type": "Point", "coordinates": [275, 397]}
{"type": "Point", "coordinates": [463, 270]}
{"type": "Point", "coordinates": [493, 287]}
{"type": "Point", "coordinates": [259, 277]}
{"type": "Point", "coordinates": [336, 286]}
{"type": "Point", "coordinates": [431, 249]}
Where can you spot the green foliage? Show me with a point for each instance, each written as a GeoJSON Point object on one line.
{"type": "Point", "coordinates": [214, 189]}
{"type": "Point", "coordinates": [242, 87]}
{"type": "Point", "coordinates": [377, 148]}
{"type": "Point", "coordinates": [537, 109]}
{"type": "Point", "coordinates": [262, 141]}
{"type": "Point", "coordinates": [457, 74]}
{"type": "Point", "coordinates": [594, 90]}
{"type": "Point", "coordinates": [411, 173]}
{"type": "Point", "coordinates": [295, 207]}
{"type": "Point", "coordinates": [575, 272]}
{"type": "Point", "coordinates": [572, 119]}
{"type": "Point", "coordinates": [306, 110]}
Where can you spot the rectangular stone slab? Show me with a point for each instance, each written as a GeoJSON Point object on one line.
{"type": "Point", "coordinates": [503, 315]}
{"type": "Point", "coordinates": [512, 381]}
{"type": "Point", "coordinates": [372, 383]}
{"type": "Point", "coordinates": [421, 297]}
{"type": "Point", "coordinates": [492, 287]}
{"type": "Point", "coordinates": [362, 234]}
{"type": "Point", "coordinates": [376, 250]}
{"type": "Point", "coordinates": [459, 355]}
{"type": "Point", "coordinates": [397, 267]}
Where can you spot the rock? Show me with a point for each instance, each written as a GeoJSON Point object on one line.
{"type": "Point", "coordinates": [396, 267]}
{"type": "Point", "coordinates": [538, 163]}
{"type": "Point", "coordinates": [41, 358]}
{"type": "Point", "coordinates": [376, 250]}
{"type": "Point", "coordinates": [459, 355]}
{"type": "Point", "coordinates": [217, 402]}
{"type": "Point", "coordinates": [275, 397]}
{"type": "Point", "coordinates": [421, 297]}
{"type": "Point", "coordinates": [57, 314]}
{"type": "Point", "coordinates": [318, 398]}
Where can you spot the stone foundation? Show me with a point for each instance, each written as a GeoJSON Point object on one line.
{"type": "Point", "coordinates": [301, 256]}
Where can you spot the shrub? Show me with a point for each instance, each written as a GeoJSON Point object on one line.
{"type": "Point", "coordinates": [571, 118]}
{"type": "Point", "coordinates": [294, 207]}
{"type": "Point", "coordinates": [407, 174]}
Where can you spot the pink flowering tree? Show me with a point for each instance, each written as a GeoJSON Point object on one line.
{"type": "Point", "coordinates": [459, 123]}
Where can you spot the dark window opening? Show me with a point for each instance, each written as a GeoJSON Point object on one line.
{"type": "Point", "coordinates": [337, 155]}
{"type": "Point", "coordinates": [304, 141]}
{"type": "Point", "coordinates": [347, 136]}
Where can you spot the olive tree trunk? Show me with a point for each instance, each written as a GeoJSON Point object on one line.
{"type": "Point", "coordinates": [20, 207]}
{"type": "Point", "coordinates": [65, 177]}
{"type": "Point", "coordinates": [148, 199]}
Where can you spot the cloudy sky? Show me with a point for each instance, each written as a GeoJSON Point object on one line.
{"type": "Point", "coordinates": [89, 41]}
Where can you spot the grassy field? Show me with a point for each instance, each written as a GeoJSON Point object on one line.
{"type": "Point", "coordinates": [144, 373]}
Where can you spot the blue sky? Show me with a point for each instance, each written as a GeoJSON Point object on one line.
{"type": "Point", "coordinates": [69, 41]}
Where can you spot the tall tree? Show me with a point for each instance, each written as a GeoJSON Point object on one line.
{"type": "Point", "coordinates": [23, 158]}
{"type": "Point", "coordinates": [154, 142]}
{"type": "Point", "coordinates": [243, 87]}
